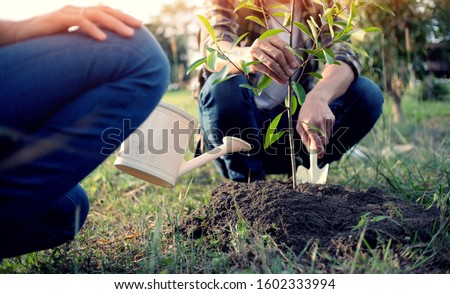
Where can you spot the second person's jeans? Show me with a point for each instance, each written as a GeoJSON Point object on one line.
{"type": "Point", "coordinates": [226, 109]}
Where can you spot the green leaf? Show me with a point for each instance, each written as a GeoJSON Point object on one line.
{"type": "Point", "coordinates": [344, 16]}
{"type": "Point", "coordinates": [309, 51]}
{"type": "Point", "coordinates": [223, 75]}
{"type": "Point", "coordinates": [329, 56]}
{"type": "Point", "coordinates": [314, 22]}
{"type": "Point", "coordinates": [245, 65]}
{"type": "Point", "coordinates": [343, 38]}
{"type": "Point", "coordinates": [352, 15]}
{"type": "Point", "coordinates": [315, 74]}
{"type": "Point", "coordinates": [372, 29]}
{"type": "Point", "coordinates": [362, 222]}
{"type": "Point", "coordinates": [340, 24]}
{"type": "Point", "coordinates": [247, 86]}
{"type": "Point", "coordinates": [253, 62]}
{"type": "Point", "coordinates": [379, 218]}
{"type": "Point", "coordinates": [270, 33]}
{"type": "Point", "coordinates": [208, 27]}
{"type": "Point", "coordinates": [294, 104]}
{"type": "Point", "coordinates": [257, 20]}
{"type": "Point", "coordinates": [226, 78]}
{"type": "Point", "coordinates": [345, 31]}
{"type": "Point", "coordinates": [196, 64]}
{"type": "Point", "coordinates": [295, 52]}
{"type": "Point", "coordinates": [239, 40]}
{"type": "Point", "coordinates": [384, 7]}
{"type": "Point", "coordinates": [221, 56]}
{"type": "Point", "coordinates": [211, 60]}
{"type": "Point", "coordinates": [303, 28]}
{"type": "Point", "coordinates": [269, 140]}
{"type": "Point", "coordinates": [315, 129]}
{"type": "Point", "coordinates": [274, 124]}
{"type": "Point", "coordinates": [316, 53]}
{"type": "Point", "coordinates": [263, 82]}
{"type": "Point", "coordinates": [299, 92]}
{"type": "Point", "coordinates": [313, 31]}
{"type": "Point", "coordinates": [279, 14]}
{"type": "Point", "coordinates": [255, 90]}
{"type": "Point", "coordinates": [328, 12]}
{"type": "Point", "coordinates": [270, 134]}
{"type": "Point", "coordinates": [250, 6]}
{"type": "Point", "coordinates": [279, 6]}
{"type": "Point", "coordinates": [357, 49]}
{"type": "Point", "coordinates": [287, 19]}
{"type": "Point", "coordinates": [331, 26]}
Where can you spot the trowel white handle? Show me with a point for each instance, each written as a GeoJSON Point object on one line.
{"type": "Point", "coordinates": [312, 162]}
{"type": "Point", "coordinates": [312, 156]}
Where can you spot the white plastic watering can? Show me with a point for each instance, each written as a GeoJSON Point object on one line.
{"type": "Point", "coordinates": [155, 151]}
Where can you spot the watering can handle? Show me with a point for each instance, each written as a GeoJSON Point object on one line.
{"type": "Point", "coordinates": [230, 145]}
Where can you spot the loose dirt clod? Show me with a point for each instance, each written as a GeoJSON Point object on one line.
{"type": "Point", "coordinates": [331, 215]}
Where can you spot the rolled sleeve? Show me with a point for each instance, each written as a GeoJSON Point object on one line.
{"type": "Point", "coordinates": [344, 53]}
{"type": "Point", "coordinates": [223, 20]}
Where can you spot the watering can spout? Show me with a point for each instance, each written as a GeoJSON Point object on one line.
{"type": "Point", "coordinates": [230, 145]}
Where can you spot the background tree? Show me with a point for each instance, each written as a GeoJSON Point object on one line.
{"type": "Point", "coordinates": [401, 59]}
{"type": "Point", "coordinates": [175, 28]}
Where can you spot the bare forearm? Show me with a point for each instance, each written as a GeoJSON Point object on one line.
{"type": "Point", "coordinates": [16, 31]}
{"type": "Point", "coordinates": [234, 55]}
{"type": "Point", "coordinates": [91, 20]}
{"type": "Point", "coordinates": [334, 83]}
{"type": "Point", "coordinates": [7, 32]}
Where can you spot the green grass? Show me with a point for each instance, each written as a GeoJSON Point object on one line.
{"type": "Point", "coordinates": [132, 224]}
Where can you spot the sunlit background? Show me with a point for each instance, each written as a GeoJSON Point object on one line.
{"type": "Point", "coordinates": [414, 44]}
{"type": "Point", "coordinates": [141, 9]}
{"type": "Point", "coordinates": [173, 22]}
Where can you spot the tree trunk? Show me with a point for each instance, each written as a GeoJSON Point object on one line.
{"type": "Point", "coordinates": [396, 91]}
{"type": "Point", "coordinates": [397, 113]}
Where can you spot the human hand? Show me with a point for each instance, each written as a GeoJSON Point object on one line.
{"type": "Point", "coordinates": [315, 123]}
{"type": "Point", "coordinates": [277, 62]}
{"type": "Point", "coordinates": [89, 20]}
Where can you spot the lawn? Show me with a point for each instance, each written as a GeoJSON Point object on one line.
{"type": "Point", "coordinates": [132, 226]}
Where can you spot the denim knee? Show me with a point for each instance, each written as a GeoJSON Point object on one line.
{"type": "Point", "coordinates": [81, 205]}
{"type": "Point", "coordinates": [370, 98]}
{"type": "Point", "coordinates": [226, 96]}
{"type": "Point", "coordinates": [153, 72]}
{"type": "Point", "coordinates": [158, 66]}
{"type": "Point", "coordinates": [68, 215]}
{"type": "Point", "coordinates": [59, 224]}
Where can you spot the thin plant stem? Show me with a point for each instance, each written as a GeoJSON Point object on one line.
{"type": "Point", "coordinates": [289, 110]}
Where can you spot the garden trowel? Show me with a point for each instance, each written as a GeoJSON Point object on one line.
{"type": "Point", "coordinates": [314, 174]}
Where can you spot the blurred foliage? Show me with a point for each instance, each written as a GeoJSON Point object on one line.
{"type": "Point", "coordinates": [399, 54]}
{"type": "Point", "coordinates": [440, 24]}
{"type": "Point", "coordinates": [175, 28]}
{"type": "Point", "coordinates": [430, 89]}
{"type": "Point", "coordinates": [426, 21]}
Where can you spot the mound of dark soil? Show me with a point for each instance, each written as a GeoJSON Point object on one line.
{"type": "Point", "coordinates": [330, 215]}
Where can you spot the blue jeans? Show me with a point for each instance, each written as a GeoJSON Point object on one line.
{"type": "Point", "coordinates": [229, 110]}
{"type": "Point", "coordinates": [60, 95]}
